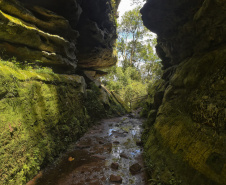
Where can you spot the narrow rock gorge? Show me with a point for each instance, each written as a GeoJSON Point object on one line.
{"type": "Point", "coordinates": [52, 54]}
{"type": "Point", "coordinates": [186, 132]}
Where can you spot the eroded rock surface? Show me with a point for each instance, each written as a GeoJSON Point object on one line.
{"type": "Point", "coordinates": [36, 35]}
{"type": "Point", "coordinates": [59, 34]}
{"type": "Point", "coordinates": [97, 34]}
{"type": "Point", "coordinates": [188, 131]}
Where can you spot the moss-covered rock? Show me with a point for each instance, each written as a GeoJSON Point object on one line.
{"type": "Point", "coordinates": [41, 113]}
{"type": "Point", "coordinates": [120, 101]}
{"type": "Point", "coordinates": [185, 136]}
{"type": "Point", "coordinates": [189, 130]}
{"type": "Point", "coordinates": [100, 103]}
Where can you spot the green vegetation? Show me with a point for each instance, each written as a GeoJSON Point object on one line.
{"type": "Point", "coordinates": [41, 114]}
{"type": "Point", "coordinates": [138, 67]}
{"type": "Point", "coordinates": [100, 104]}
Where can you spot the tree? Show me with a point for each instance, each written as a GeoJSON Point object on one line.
{"type": "Point", "coordinates": [131, 33]}
{"type": "Point", "coordinates": [139, 65]}
{"type": "Point", "coordinates": [138, 2]}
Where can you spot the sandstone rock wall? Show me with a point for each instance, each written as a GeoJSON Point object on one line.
{"type": "Point", "coordinates": [58, 34]}
{"type": "Point", "coordinates": [187, 138]}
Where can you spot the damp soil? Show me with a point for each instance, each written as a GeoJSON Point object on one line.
{"type": "Point", "coordinates": [115, 140]}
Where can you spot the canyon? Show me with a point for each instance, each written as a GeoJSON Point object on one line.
{"type": "Point", "coordinates": [42, 112]}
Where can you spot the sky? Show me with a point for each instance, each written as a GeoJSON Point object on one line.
{"type": "Point", "coordinates": [124, 6]}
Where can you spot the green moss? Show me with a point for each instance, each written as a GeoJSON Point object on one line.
{"type": "Point", "coordinates": [188, 134]}
{"type": "Point", "coordinates": [98, 109]}
{"type": "Point", "coordinates": [94, 107]}
{"type": "Point", "coordinates": [116, 98]}
{"type": "Point", "coordinates": [41, 113]}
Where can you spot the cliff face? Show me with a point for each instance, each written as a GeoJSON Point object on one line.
{"type": "Point", "coordinates": [61, 35]}
{"type": "Point", "coordinates": [44, 104]}
{"type": "Point", "coordinates": [187, 137]}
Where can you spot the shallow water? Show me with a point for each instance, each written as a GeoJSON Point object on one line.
{"type": "Point", "coordinates": [89, 163]}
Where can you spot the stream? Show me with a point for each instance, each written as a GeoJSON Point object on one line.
{"type": "Point", "coordinates": [109, 153]}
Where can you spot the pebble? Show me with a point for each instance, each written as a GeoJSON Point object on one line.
{"type": "Point", "coordinates": [114, 166]}
{"type": "Point", "coordinates": [116, 142]}
{"type": "Point", "coordinates": [123, 156]}
{"type": "Point", "coordinates": [135, 168]}
{"type": "Point", "coordinates": [116, 178]}
{"type": "Point", "coordinates": [101, 142]}
{"type": "Point", "coordinates": [139, 143]}
{"type": "Point", "coordinates": [94, 182]}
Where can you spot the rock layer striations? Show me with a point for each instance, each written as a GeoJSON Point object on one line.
{"type": "Point", "coordinates": [58, 34]}
{"type": "Point", "coordinates": [188, 125]}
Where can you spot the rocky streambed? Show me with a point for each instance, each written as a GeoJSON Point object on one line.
{"type": "Point", "coordinates": [109, 153]}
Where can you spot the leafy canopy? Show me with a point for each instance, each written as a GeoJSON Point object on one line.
{"type": "Point", "coordinates": [138, 65]}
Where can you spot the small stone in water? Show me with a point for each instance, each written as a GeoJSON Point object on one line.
{"type": "Point", "coordinates": [116, 142]}
{"type": "Point", "coordinates": [123, 156]}
{"type": "Point", "coordinates": [116, 178]}
{"type": "Point", "coordinates": [139, 143]}
{"type": "Point", "coordinates": [101, 142]}
{"type": "Point", "coordinates": [135, 168]}
{"type": "Point", "coordinates": [114, 166]}
{"type": "Point", "coordinates": [99, 157]}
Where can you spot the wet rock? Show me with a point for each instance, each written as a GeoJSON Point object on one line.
{"type": "Point", "coordinates": [115, 132]}
{"type": "Point", "coordinates": [123, 155]}
{"type": "Point", "coordinates": [116, 142]}
{"type": "Point", "coordinates": [131, 115]}
{"type": "Point", "coordinates": [118, 133]}
{"type": "Point", "coordinates": [139, 143]}
{"type": "Point", "coordinates": [135, 168]}
{"type": "Point", "coordinates": [99, 157]}
{"type": "Point", "coordinates": [107, 147]}
{"type": "Point", "coordinates": [114, 166]}
{"type": "Point", "coordinates": [82, 146]}
{"type": "Point", "coordinates": [116, 178]}
{"type": "Point", "coordinates": [94, 182]}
